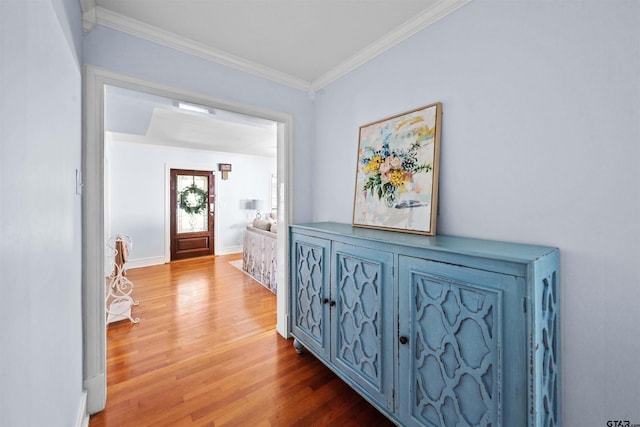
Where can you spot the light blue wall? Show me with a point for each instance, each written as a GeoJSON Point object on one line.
{"type": "Point", "coordinates": [540, 144]}
{"type": "Point", "coordinates": [132, 56]}
{"type": "Point", "coordinates": [40, 248]}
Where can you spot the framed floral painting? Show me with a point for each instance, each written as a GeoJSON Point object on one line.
{"type": "Point", "coordinates": [397, 172]}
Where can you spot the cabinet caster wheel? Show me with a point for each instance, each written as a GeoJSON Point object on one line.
{"type": "Point", "coordinates": [298, 346]}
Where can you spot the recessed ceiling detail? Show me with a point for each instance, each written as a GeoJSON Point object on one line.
{"type": "Point", "coordinates": [138, 117]}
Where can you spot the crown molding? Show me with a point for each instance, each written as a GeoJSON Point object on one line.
{"type": "Point", "coordinates": [93, 15]}
{"type": "Point", "coordinates": [88, 14]}
{"type": "Point", "coordinates": [140, 29]}
{"type": "Point", "coordinates": [438, 11]}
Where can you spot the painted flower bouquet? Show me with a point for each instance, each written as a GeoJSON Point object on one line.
{"type": "Point", "coordinates": [390, 172]}
{"type": "Point", "coordinates": [397, 172]}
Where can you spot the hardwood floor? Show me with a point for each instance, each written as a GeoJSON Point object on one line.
{"type": "Point", "coordinates": [206, 353]}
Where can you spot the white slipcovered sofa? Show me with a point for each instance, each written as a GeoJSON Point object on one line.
{"type": "Point", "coordinates": [259, 252]}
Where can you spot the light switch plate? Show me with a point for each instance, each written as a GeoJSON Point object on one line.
{"type": "Point", "coordinates": [78, 181]}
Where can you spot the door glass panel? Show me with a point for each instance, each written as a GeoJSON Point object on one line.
{"type": "Point", "coordinates": [192, 212]}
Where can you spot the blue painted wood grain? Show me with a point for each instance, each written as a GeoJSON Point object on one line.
{"type": "Point", "coordinates": [433, 331]}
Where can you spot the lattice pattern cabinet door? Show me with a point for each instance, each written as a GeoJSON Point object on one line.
{"type": "Point", "coordinates": [463, 348]}
{"type": "Point", "coordinates": [362, 318]}
{"type": "Point", "coordinates": [311, 292]}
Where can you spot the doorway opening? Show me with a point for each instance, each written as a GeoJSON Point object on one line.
{"type": "Point", "coordinates": [146, 135]}
{"type": "Point", "coordinates": [95, 194]}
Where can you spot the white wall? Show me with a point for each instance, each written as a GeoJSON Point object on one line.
{"type": "Point", "coordinates": [139, 195]}
{"type": "Point", "coordinates": [540, 144]}
{"type": "Point", "coordinates": [40, 248]}
{"type": "Point", "coordinates": [135, 57]}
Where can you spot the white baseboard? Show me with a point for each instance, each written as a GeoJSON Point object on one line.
{"type": "Point", "coordinates": [159, 260]}
{"type": "Point", "coordinates": [145, 262]}
{"type": "Point", "coordinates": [229, 250]}
{"type": "Point", "coordinates": [134, 263]}
{"type": "Point", "coordinates": [82, 418]}
{"type": "Point", "coordinates": [96, 393]}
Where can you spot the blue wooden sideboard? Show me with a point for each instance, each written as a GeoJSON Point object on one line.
{"type": "Point", "coordinates": [433, 331]}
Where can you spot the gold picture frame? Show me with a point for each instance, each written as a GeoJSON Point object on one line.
{"type": "Point", "coordinates": [397, 172]}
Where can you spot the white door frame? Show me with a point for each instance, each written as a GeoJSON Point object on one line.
{"type": "Point", "coordinates": [93, 212]}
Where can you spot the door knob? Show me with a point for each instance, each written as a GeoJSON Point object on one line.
{"type": "Point", "coordinates": [403, 340]}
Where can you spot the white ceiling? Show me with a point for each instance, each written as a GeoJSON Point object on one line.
{"type": "Point", "coordinates": [305, 44]}
{"type": "Point", "coordinates": [138, 117]}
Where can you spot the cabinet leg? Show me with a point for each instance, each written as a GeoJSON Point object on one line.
{"type": "Point", "coordinates": [298, 346]}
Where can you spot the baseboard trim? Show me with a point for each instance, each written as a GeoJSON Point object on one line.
{"type": "Point", "coordinates": [159, 260]}
{"type": "Point", "coordinates": [82, 418]}
{"type": "Point", "coordinates": [145, 262]}
{"type": "Point", "coordinates": [96, 393]}
{"type": "Point", "coordinates": [229, 250]}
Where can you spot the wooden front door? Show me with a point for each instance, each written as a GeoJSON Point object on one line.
{"type": "Point", "coordinates": [192, 210]}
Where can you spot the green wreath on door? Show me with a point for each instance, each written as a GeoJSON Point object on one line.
{"type": "Point", "coordinates": [193, 200]}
